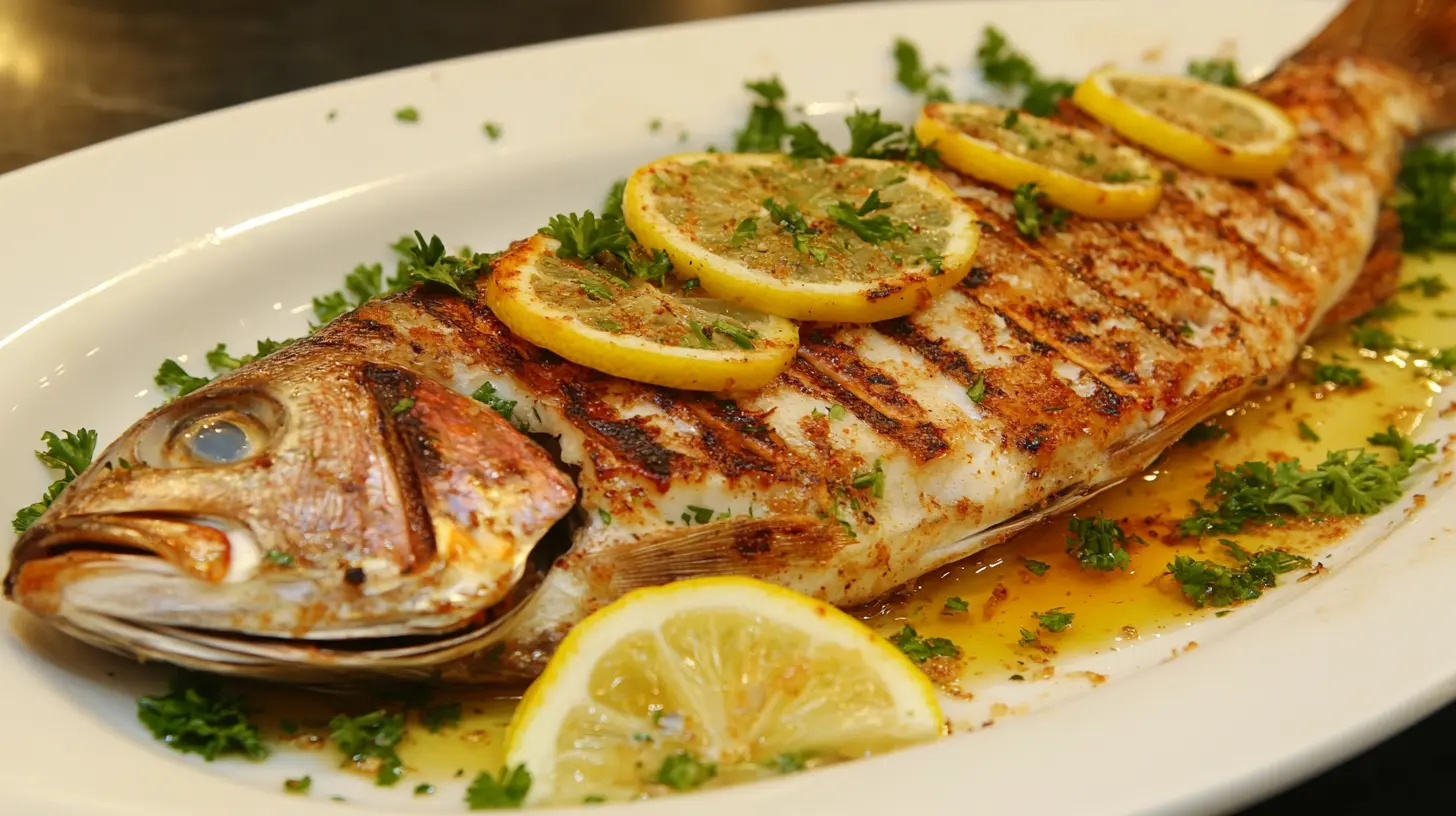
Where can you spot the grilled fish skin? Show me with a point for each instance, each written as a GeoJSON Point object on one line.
{"type": "Point", "coordinates": [378, 522]}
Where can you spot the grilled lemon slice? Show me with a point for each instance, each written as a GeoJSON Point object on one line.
{"type": "Point", "coordinates": [1078, 170]}
{"type": "Point", "coordinates": [843, 240]}
{"type": "Point", "coordinates": [1218, 130]}
{"type": "Point", "coordinates": [598, 317]}
{"type": "Point", "coordinates": [712, 681]}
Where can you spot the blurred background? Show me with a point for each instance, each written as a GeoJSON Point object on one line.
{"type": "Point", "coordinates": [77, 72]}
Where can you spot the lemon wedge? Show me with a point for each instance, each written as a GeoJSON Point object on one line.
{"type": "Point", "coordinates": [1077, 170]}
{"type": "Point", "coordinates": [610, 321]}
{"type": "Point", "coordinates": [841, 240]}
{"type": "Point", "coordinates": [1218, 130]}
{"type": "Point", "coordinates": [712, 681]}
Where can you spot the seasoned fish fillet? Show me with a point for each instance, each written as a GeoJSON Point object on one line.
{"type": "Point", "coordinates": [441, 542]}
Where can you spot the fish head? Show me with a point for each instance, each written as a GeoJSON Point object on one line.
{"type": "Point", "coordinates": [308, 507]}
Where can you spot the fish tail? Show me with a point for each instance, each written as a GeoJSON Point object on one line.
{"type": "Point", "coordinates": [1418, 36]}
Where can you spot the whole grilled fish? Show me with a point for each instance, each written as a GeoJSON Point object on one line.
{"type": "Point", "coordinates": [343, 509]}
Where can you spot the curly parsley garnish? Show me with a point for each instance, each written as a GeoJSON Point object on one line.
{"type": "Point", "coordinates": [507, 790]}
{"type": "Point", "coordinates": [1425, 201]}
{"type": "Point", "coordinates": [71, 454]}
{"type": "Point", "coordinates": [912, 74]}
{"type": "Point", "coordinates": [1097, 543]}
{"type": "Point", "coordinates": [1032, 216]}
{"type": "Point", "coordinates": [371, 737]}
{"type": "Point", "coordinates": [871, 137]}
{"type": "Point", "coordinates": [921, 649]}
{"type": "Point", "coordinates": [1429, 286]}
{"type": "Point", "coordinates": [1348, 482]}
{"type": "Point", "coordinates": [805, 143]}
{"type": "Point", "coordinates": [196, 716]}
{"type": "Point", "coordinates": [1213, 584]}
{"type": "Point", "coordinates": [1008, 69]}
{"type": "Point", "coordinates": [1338, 375]}
{"type": "Point", "coordinates": [874, 230]}
{"type": "Point", "coordinates": [767, 124]}
{"type": "Point", "coordinates": [1054, 620]}
{"type": "Point", "coordinates": [1218, 71]}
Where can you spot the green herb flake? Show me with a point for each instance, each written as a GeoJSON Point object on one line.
{"type": "Point", "coordinates": [605, 516]}
{"type": "Point", "coordinates": [175, 381]}
{"type": "Point", "coordinates": [1373, 338]}
{"type": "Point", "coordinates": [408, 113]}
{"type": "Point", "coordinates": [1223, 72]}
{"type": "Point", "coordinates": [1054, 620]}
{"type": "Point", "coordinates": [872, 480]}
{"type": "Point", "coordinates": [1032, 218]}
{"type": "Point", "coordinates": [492, 130]}
{"type": "Point", "coordinates": [404, 404]}
{"type": "Point", "coordinates": [1036, 567]}
{"type": "Point", "coordinates": [977, 390]}
{"type": "Point", "coordinates": [196, 716]}
{"type": "Point", "coordinates": [1425, 201]}
{"type": "Point", "coordinates": [1307, 433]}
{"type": "Point", "coordinates": [788, 762]}
{"type": "Point", "coordinates": [836, 413]}
{"type": "Point", "coordinates": [913, 76]}
{"type": "Point", "coordinates": [921, 649]}
{"type": "Point", "coordinates": [70, 453]}
{"type": "Point", "coordinates": [876, 230]}
{"type": "Point", "coordinates": [487, 395]}
{"type": "Point", "coordinates": [299, 786]}
{"type": "Point", "coordinates": [424, 789]}
{"type": "Point", "coordinates": [371, 737]}
{"type": "Point", "coordinates": [956, 604]}
{"type": "Point", "coordinates": [1003, 67]}
{"type": "Point", "coordinates": [1337, 375]}
{"type": "Point", "coordinates": [1429, 286]}
{"type": "Point", "coordinates": [436, 718]}
{"type": "Point", "coordinates": [1213, 584]}
{"type": "Point", "coordinates": [279, 558]}
{"type": "Point", "coordinates": [805, 143]}
{"type": "Point", "coordinates": [1097, 544]}
{"type": "Point", "coordinates": [503, 792]}
{"type": "Point", "coordinates": [746, 229]}
{"type": "Point", "coordinates": [767, 126]}
{"type": "Point", "coordinates": [684, 771]}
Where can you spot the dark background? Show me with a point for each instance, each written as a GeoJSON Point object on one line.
{"type": "Point", "coordinates": [76, 72]}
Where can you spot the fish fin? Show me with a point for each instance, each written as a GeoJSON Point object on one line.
{"type": "Point", "coordinates": [752, 547]}
{"type": "Point", "coordinates": [1418, 36]}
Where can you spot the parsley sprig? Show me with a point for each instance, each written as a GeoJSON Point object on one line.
{"type": "Point", "coordinates": [196, 716]}
{"type": "Point", "coordinates": [1425, 201]}
{"type": "Point", "coordinates": [371, 736]}
{"type": "Point", "coordinates": [1003, 67]}
{"type": "Point", "coordinates": [1218, 71]}
{"type": "Point", "coordinates": [874, 230]}
{"type": "Point", "coordinates": [1097, 543]}
{"type": "Point", "coordinates": [505, 791]}
{"type": "Point", "coordinates": [70, 453]}
{"type": "Point", "coordinates": [1033, 216]}
{"type": "Point", "coordinates": [767, 126]}
{"type": "Point", "coordinates": [1347, 482]}
{"type": "Point", "coordinates": [912, 74]}
{"type": "Point", "coordinates": [921, 649]}
{"type": "Point", "coordinates": [1213, 584]}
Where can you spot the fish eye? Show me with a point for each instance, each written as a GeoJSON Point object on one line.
{"type": "Point", "coordinates": [220, 442]}
{"type": "Point", "coordinates": [223, 437]}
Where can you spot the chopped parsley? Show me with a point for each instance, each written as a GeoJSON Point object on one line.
{"type": "Point", "coordinates": [700, 515]}
{"type": "Point", "coordinates": [436, 718]}
{"type": "Point", "coordinates": [836, 412]}
{"type": "Point", "coordinates": [492, 130]}
{"type": "Point", "coordinates": [371, 737]}
{"type": "Point", "coordinates": [874, 230]}
{"type": "Point", "coordinates": [684, 771]}
{"type": "Point", "coordinates": [404, 404]}
{"type": "Point", "coordinates": [424, 789]}
{"type": "Point", "coordinates": [1027, 638]}
{"type": "Point", "coordinates": [172, 378]}
{"type": "Point", "coordinates": [805, 143]}
{"type": "Point", "coordinates": [1444, 359]}
{"type": "Point", "coordinates": [605, 515]}
{"type": "Point", "coordinates": [1003, 67]}
{"type": "Point", "coordinates": [913, 76]}
{"type": "Point", "coordinates": [1031, 215]}
{"type": "Point", "coordinates": [741, 337]}
{"type": "Point", "coordinates": [508, 790]}
{"type": "Point", "coordinates": [1337, 374]}
{"type": "Point", "coordinates": [612, 206]}
{"type": "Point", "coordinates": [300, 785]}
{"type": "Point", "coordinates": [1097, 543]}
{"type": "Point", "coordinates": [1388, 310]}
{"type": "Point", "coordinates": [1307, 433]}
{"type": "Point", "coordinates": [921, 649]}
{"type": "Point", "coordinates": [1213, 584]}
{"type": "Point", "coordinates": [791, 221]}
{"type": "Point", "coordinates": [408, 113]}
{"type": "Point", "coordinates": [788, 762]}
{"type": "Point", "coordinates": [1054, 620]}
{"type": "Point", "coordinates": [196, 716]}
{"type": "Point", "coordinates": [871, 137]}
{"type": "Point", "coordinates": [1429, 286]}
{"type": "Point", "coordinates": [429, 263]}
{"type": "Point", "coordinates": [956, 604]}
{"type": "Point", "coordinates": [278, 558]}
{"type": "Point", "coordinates": [586, 235]}
{"type": "Point", "coordinates": [1223, 72]}
{"type": "Point", "coordinates": [1347, 482]}
{"type": "Point", "coordinates": [1425, 201]}
{"type": "Point", "coordinates": [1374, 338]}
{"type": "Point", "coordinates": [486, 394]}
{"type": "Point", "coordinates": [71, 454]}
{"type": "Point", "coordinates": [767, 125]}
{"type": "Point", "coordinates": [1036, 567]}
{"type": "Point", "coordinates": [747, 228]}
{"type": "Point", "coordinates": [977, 390]}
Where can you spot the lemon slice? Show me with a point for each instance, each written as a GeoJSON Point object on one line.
{"type": "Point", "coordinates": [841, 240]}
{"type": "Point", "coordinates": [1079, 171]}
{"type": "Point", "coordinates": [712, 681]}
{"type": "Point", "coordinates": [612, 322]}
{"type": "Point", "coordinates": [1218, 130]}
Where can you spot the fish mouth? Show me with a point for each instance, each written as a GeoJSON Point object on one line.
{"type": "Point", "coordinates": [210, 550]}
